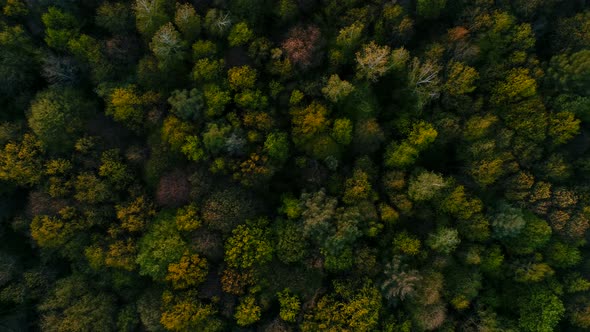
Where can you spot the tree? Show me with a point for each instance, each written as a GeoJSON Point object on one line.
{"type": "Point", "coordinates": [159, 247]}
{"type": "Point", "coordinates": [168, 47]}
{"type": "Point", "coordinates": [349, 307]}
{"type": "Point", "coordinates": [183, 312]}
{"type": "Point", "coordinates": [426, 186]}
{"type": "Point", "coordinates": [424, 80]}
{"type": "Point", "coordinates": [570, 72]}
{"type": "Point", "coordinates": [301, 45]}
{"type": "Point", "coordinates": [290, 305]}
{"type": "Point", "coordinates": [114, 170]}
{"type": "Point", "coordinates": [572, 32]}
{"type": "Point", "coordinates": [445, 240]}
{"type": "Point", "coordinates": [508, 221]}
{"type": "Point", "coordinates": [460, 79]}
{"type": "Point", "coordinates": [90, 189]}
{"type": "Point", "coordinates": [55, 232]}
{"type": "Point", "coordinates": [207, 70]}
{"type": "Point", "coordinates": [240, 34]}
{"type": "Point", "coordinates": [187, 105]}
{"type": "Point", "coordinates": [204, 49]}
{"type": "Point", "coordinates": [249, 245]}
{"type": "Point", "coordinates": [277, 146]}
{"type": "Point", "coordinates": [338, 246]}
{"type": "Point", "coordinates": [309, 121]}
{"type": "Point", "coordinates": [121, 254]}
{"type": "Point", "coordinates": [216, 100]}
{"type": "Point", "coordinates": [224, 209]}
{"type": "Point", "coordinates": [73, 306]}
{"type": "Point", "coordinates": [337, 89]}
{"type": "Point", "coordinates": [318, 210]}
{"type": "Point", "coordinates": [400, 283]}
{"type": "Point", "coordinates": [187, 218]}
{"type": "Point", "coordinates": [404, 154]}
{"type": "Point", "coordinates": [60, 28]}
{"type": "Point", "coordinates": [406, 244]}
{"type": "Point", "coordinates": [247, 312]}
{"type": "Point", "coordinates": [357, 188]}
{"type": "Point", "coordinates": [563, 126]}
{"type": "Point", "coordinates": [342, 131]}
{"type": "Point", "coordinates": [373, 61]}
{"type": "Point", "coordinates": [288, 245]}
{"type": "Point", "coordinates": [126, 105]}
{"type": "Point", "coordinates": [150, 15]}
{"type": "Point", "coordinates": [517, 86]}
{"type": "Point", "coordinates": [21, 162]}
{"type": "Point", "coordinates": [540, 310]}
{"type": "Point", "coordinates": [241, 78]}
{"type": "Point", "coordinates": [459, 205]}
{"type": "Point", "coordinates": [217, 22]}
{"type": "Point", "coordinates": [187, 21]}
{"type": "Point", "coordinates": [215, 138]}
{"type": "Point", "coordinates": [57, 116]}
{"type": "Point", "coordinates": [135, 215]}
{"type": "Point", "coordinates": [350, 37]}
{"type": "Point", "coordinates": [190, 271]}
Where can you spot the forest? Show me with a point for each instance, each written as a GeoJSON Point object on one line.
{"type": "Point", "coordinates": [294, 165]}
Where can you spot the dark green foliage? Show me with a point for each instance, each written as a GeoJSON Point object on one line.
{"type": "Point", "coordinates": [294, 165]}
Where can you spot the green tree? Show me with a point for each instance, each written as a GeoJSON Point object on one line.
{"type": "Point", "coordinates": [342, 131]}
{"type": "Point", "coordinates": [277, 146]}
{"type": "Point", "coordinates": [290, 305]}
{"type": "Point", "coordinates": [460, 79]}
{"type": "Point", "coordinates": [73, 306]}
{"type": "Point", "coordinates": [159, 247]}
{"type": "Point", "coordinates": [357, 188]}
{"type": "Point", "coordinates": [187, 21]}
{"type": "Point", "coordinates": [346, 308]}
{"type": "Point", "coordinates": [187, 105]}
{"type": "Point", "coordinates": [337, 89]}
{"type": "Point", "coordinates": [540, 310]}
{"type": "Point", "coordinates": [563, 126]}
{"type": "Point", "coordinates": [184, 312]}
{"type": "Point", "coordinates": [289, 246]}
{"type": "Point", "coordinates": [60, 28]}
{"type": "Point", "coordinates": [248, 312]}
{"type": "Point", "coordinates": [425, 186]}
{"type": "Point", "coordinates": [126, 105]}
{"type": "Point", "coordinates": [21, 162]}
{"type": "Point", "coordinates": [444, 240]}
{"type": "Point", "coordinates": [405, 153]}
{"type": "Point", "coordinates": [240, 34]}
{"type": "Point", "coordinates": [241, 78]}
{"type": "Point", "coordinates": [249, 245]}
{"type": "Point", "coordinates": [150, 15]}
{"type": "Point", "coordinates": [168, 47]}
{"type": "Point", "coordinates": [57, 117]}
{"type": "Point", "coordinates": [570, 72]}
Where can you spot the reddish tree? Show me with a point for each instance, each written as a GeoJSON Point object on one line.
{"type": "Point", "coordinates": [173, 189]}
{"type": "Point", "coordinates": [301, 45]}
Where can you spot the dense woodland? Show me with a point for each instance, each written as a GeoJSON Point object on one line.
{"type": "Point", "coordinates": [294, 165]}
